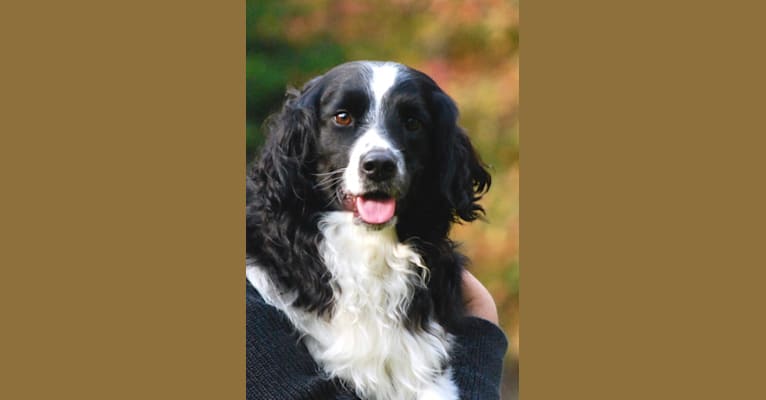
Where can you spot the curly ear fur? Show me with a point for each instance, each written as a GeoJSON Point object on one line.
{"type": "Point", "coordinates": [464, 178]}
{"type": "Point", "coordinates": [452, 186]}
{"type": "Point", "coordinates": [280, 221]}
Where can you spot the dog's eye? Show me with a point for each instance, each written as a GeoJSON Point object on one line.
{"type": "Point", "coordinates": [412, 124]}
{"type": "Point", "coordinates": [343, 118]}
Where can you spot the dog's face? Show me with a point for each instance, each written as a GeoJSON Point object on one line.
{"type": "Point", "coordinates": [379, 140]}
{"type": "Point", "coordinates": [376, 127]}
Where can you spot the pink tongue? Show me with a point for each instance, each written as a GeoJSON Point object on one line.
{"type": "Point", "coordinates": [375, 211]}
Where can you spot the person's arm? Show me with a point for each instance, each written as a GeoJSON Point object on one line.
{"type": "Point", "coordinates": [477, 360]}
{"type": "Point", "coordinates": [278, 365]}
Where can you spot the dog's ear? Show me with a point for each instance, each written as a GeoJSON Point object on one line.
{"type": "Point", "coordinates": [281, 201]}
{"type": "Point", "coordinates": [287, 161]}
{"type": "Point", "coordinates": [463, 176]}
{"type": "Point", "coordinates": [305, 97]}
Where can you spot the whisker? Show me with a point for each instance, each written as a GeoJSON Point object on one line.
{"type": "Point", "coordinates": [337, 171]}
{"type": "Point", "coordinates": [331, 180]}
{"type": "Point", "coordinates": [338, 195]}
{"type": "Point", "coordinates": [328, 183]}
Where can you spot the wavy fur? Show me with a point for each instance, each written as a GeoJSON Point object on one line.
{"type": "Point", "coordinates": [375, 306]}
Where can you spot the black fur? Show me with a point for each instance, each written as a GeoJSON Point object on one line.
{"type": "Point", "coordinates": [286, 193]}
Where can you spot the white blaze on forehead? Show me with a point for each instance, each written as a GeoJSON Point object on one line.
{"type": "Point", "coordinates": [383, 78]}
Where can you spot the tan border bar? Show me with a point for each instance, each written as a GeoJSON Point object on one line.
{"type": "Point", "coordinates": [642, 200]}
{"type": "Point", "coordinates": [122, 158]}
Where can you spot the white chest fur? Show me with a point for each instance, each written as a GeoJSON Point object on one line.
{"type": "Point", "coordinates": [365, 342]}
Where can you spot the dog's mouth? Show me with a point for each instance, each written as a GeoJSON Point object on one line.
{"type": "Point", "coordinates": [373, 208]}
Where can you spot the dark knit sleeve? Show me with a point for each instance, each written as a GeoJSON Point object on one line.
{"type": "Point", "coordinates": [278, 365]}
{"type": "Point", "coordinates": [477, 360]}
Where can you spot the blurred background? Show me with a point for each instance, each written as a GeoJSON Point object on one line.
{"type": "Point", "coordinates": [470, 48]}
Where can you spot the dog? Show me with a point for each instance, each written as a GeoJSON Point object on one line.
{"type": "Point", "coordinates": [349, 206]}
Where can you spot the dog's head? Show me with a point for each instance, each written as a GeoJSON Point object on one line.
{"type": "Point", "coordinates": [376, 139]}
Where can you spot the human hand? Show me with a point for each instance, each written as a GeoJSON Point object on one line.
{"type": "Point", "coordinates": [477, 299]}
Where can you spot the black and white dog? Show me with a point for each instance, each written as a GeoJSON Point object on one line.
{"type": "Point", "coordinates": [349, 206]}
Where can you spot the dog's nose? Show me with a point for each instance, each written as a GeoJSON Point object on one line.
{"type": "Point", "coordinates": [378, 165]}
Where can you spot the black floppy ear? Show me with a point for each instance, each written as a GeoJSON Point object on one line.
{"type": "Point", "coordinates": [287, 163]}
{"type": "Point", "coordinates": [463, 176]}
{"type": "Point", "coordinates": [281, 202]}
